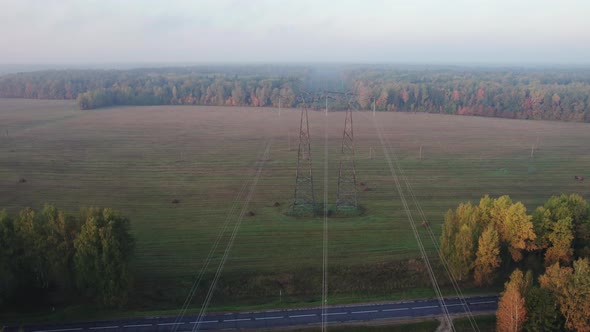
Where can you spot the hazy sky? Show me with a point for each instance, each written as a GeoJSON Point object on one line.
{"type": "Point", "coordinates": [431, 31]}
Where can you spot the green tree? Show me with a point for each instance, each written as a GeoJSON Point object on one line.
{"type": "Point", "coordinates": [61, 230]}
{"type": "Point", "coordinates": [558, 208]}
{"type": "Point", "coordinates": [33, 258]}
{"type": "Point", "coordinates": [8, 251]}
{"type": "Point", "coordinates": [542, 312]}
{"type": "Point", "coordinates": [542, 224]}
{"type": "Point", "coordinates": [447, 239]}
{"type": "Point", "coordinates": [103, 249]}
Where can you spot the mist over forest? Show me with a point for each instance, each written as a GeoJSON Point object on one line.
{"type": "Point", "coordinates": [507, 92]}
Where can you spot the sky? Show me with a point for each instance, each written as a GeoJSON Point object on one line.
{"type": "Point", "coordinates": [275, 31]}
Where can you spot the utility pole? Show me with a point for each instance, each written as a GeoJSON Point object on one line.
{"type": "Point", "coordinates": [373, 106]}
{"type": "Point", "coordinates": [304, 197]}
{"type": "Point", "coordinates": [346, 197]}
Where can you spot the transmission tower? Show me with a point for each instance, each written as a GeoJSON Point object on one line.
{"type": "Point", "coordinates": [304, 198]}
{"type": "Point", "coordinates": [346, 197]}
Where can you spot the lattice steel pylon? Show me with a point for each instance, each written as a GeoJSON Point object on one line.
{"type": "Point", "coordinates": [304, 197]}
{"type": "Point", "coordinates": [346, 197]}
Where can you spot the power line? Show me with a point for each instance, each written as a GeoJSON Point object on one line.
{"type": "Point", "coordinates": [449, 273]}
{"type": "Point", "coordinates": [392, 168]}
{"type": "Point", "coordinates": [325, 237]}
{"type": "Point", "coordinates": [237, 201]}
{"type": "Point", "coordinates": [230, 243]}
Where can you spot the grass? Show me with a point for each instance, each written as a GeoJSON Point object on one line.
{"type": "Point", "coordinates": [425, 326]}
{"type": "Point", "coordinates": [484, 323]}
{"type": "Point", "coordinates": [139, 159]}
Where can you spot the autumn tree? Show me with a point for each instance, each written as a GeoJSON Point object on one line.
{"type": "Point", "coordinates": [527, 94]}
{"type": "Point", "coordinates": [459, 238]}
{"type": "Point", "coordinates": [466, 248]}
{"type": "Point", "coordinates": [487, 256]}
{"type": "Point", "coordinates": [560, 238]}
{"type": "Point", "coordinates": [485, 207]}
{"type": "Point", "coordinates": [571, 288]}
{"type": "Point", "coordinates": [512, 312]}
{"type": "Point", "coordinates": [514, 226]}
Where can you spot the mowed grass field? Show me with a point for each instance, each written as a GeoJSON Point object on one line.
{"type": "Point", "coordinates": [138, 159]}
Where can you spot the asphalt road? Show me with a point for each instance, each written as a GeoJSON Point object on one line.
{"type": "Point", "coordinates": [281, 318]}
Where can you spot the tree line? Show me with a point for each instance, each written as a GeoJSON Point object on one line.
{"type": "Point", "coordinates": [557, 301]}
{"type": "Point", "coordinates": [219, 91]}
{"type": "Point", "coordinates": [508, 93]}
{"type": "Point", "coordinates": [48, 254]}
{"type": "Point", "coordinates": [553, 244]}
{"type": "Point", "coordinates": [533, 93]}
{"type": "Point", "coordinates": [231, 86]}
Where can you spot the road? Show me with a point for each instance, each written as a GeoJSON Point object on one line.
{"type": "Point", "coordinates": [282, 317]}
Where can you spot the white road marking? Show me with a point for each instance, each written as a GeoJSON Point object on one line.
{"type": "Point", "coordinates": [265, 318]}
{"type": "Point", "coordinates": [164, 324]}
{"type": "Point", "coordinates": [396, 309]}
{"type": "Point", "coordinates": [427, 307]}
{"type": "Point", "coordinates": [364, 312]}
{"type": "Point", "coordinates": [485, 302]}
{"type": "Point", "coordinates": [105, 327]}
{"type": "Point", "coordinates": [236, 320]}
{"type": "Point", "coordinates": [298, 316]}
{"type": "Point", "coordinates": [334, 313]}
{"type": "Point", "coordinates": [274, 317]}
{"type": "Point", "coordinates": [73, 329]}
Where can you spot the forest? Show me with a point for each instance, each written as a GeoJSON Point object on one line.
{"type": "Point", "coordinates": [519, 93]}
{"type": "Point", "coordinates": [547, 252]}
{"type": "Point", "coordinates": [56, 257]}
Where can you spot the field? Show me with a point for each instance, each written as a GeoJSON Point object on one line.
{"type": "Point", "coordinates": [139, 159]}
